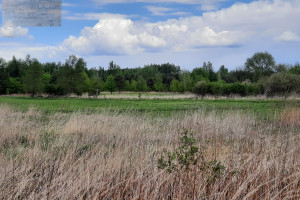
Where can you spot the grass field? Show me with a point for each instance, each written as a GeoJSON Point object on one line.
{"type": "Point", "coordinates": [72, 148]}
{"type": "Point", "coordinates": [156, 107]}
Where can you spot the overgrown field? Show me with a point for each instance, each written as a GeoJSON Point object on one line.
{"type": "Point", "coordinates": [88, 149]}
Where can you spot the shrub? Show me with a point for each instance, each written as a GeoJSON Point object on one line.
{"type": "Point", "coordinates": [201, 88]}
{"type": "Point", "coordinates": [189, 154]}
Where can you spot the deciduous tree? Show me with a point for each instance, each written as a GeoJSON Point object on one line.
{"type": "Point", "coordinates": [33, 80]}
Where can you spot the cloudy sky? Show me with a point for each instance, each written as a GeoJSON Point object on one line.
{"type": "Point", "coordinates": [184, 32]}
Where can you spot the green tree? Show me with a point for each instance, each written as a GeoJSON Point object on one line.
{"type": "Point", "coordinates": [158, 85]}
{"type": "Point", "coordinates": [71, 77]}
{"type": "Point", "coordinates": [113, 69]}
{"type": "Point", "coordinates": [110, 84]}
{"type": "Point", "coordinates": [13, 86]}
{"type": "Point", "coordinates": [64, 80]}
{"type": "Point", "coordinates": [150, 84]}
{"type": "Point", "coordinates": [199, 74]}
{"type": "Point", "coordinates": [13, 68]}
{"type": "Point", "coordinates": [133, 86]}
{"type": "Point", "coordinates": [80, 78]}
{"type": "Point", "coordinates": [47, 86]}
{"type": "Point", "coordinates": [3, 76]}
{"type": "Point", "coordinates": [281, 68]}
{"type": "Point", "coordinates": [295, 69]}
{"type": "Point", "coordinates": [186, 80]}
{"type": "Point", "coordinates": [176, 86]}
{"type": "Point", "coordinates": [96, 86]}
{"type": "Point", "coordinates": [282, 84]}
{"type": "Point", "coordinates": [260, 64]}
{"type": "Point", "coordinates": [222, 73]}
{"type": "Point", "coordinates": [141, 84]}
{"type": "Point", "coordinates": [120, 82]}
{"type": "Point", "coordinates": [33, 80]}
{"type": "Point", "coordinates": [212, 76]}
{"type": "Point", "coordinates": [127, 86]}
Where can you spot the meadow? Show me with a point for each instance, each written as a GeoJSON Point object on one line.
{"type": "Point", "coordinates": [69, 148]}
{"type": "Point", "coordinates": [151, 104]}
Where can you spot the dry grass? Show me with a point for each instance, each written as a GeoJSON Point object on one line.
{"type": "Point", "coordinates": [290, 117]}
{"type": "Point", "coordinates": [111, 156]}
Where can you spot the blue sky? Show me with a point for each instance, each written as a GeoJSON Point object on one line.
{"type": "Point", "coordinates": [183, 32]}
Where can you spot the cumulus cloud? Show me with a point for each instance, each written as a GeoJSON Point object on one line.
{"type": "Point", "coordinates": [123, 36]}
{"type": "Point", "coordinates": [111, 36]}
{"type": "Point", "coordinates": [228, 27]}
{"type": "Point", "coordinates": [11, 31]}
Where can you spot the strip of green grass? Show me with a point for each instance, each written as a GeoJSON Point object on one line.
{"type": "Point", "coordinates": [157, 107]}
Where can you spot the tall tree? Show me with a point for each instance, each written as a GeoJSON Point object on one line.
{"type": "Point", "coordinates": [158, 85]}
{"type": "Point", "coordinates": [200, 73]}
{"type": "Point", "coordinates": [110, 84]}
{"type": "Point", "coordinates": [113, 69]}
{"type": "Point", "coordinates": [120, 82]}
{"type": "Point", "coordinates": [80, 78]}
{"type": "Point", "coordinates": [33, 80]}
{"type": "Point", "coordinates": [13, 68]}
{"type": "Point", "coordinates": [141, 84]}
{"type": "Point", "coordinates": [222, 73]}
{"type": "Point", "coordinates": [176, 86]}
{"type": "Point", "coordinates": [187, 81]}
{"type": "Point", "coordinates": [260, 64]}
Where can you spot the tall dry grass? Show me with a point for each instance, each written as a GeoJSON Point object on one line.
{"type": "Point", "coordinates": [113, 156]}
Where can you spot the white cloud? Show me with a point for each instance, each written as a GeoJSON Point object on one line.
{"type": "Point", "coordinates": [233, 26]}
{"type": "Point", "coordinates": [288, 36]}
{"type": "Point", "coordinates": [112, 36]}
{"type": "Point", "coordinates": [11, 31]}
{"type": "Point", "coordinates": [124, 36]}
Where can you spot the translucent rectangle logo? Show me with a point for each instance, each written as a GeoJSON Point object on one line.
{"type": "Point", "coordinates": [32, 12]}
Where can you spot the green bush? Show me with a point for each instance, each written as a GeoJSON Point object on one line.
{"type": "Point", "coordinates": [201, 88]}
{"type": "Point", "coordinates": [189, 154]}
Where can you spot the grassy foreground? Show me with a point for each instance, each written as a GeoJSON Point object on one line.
{"type": "Point", "coordinates": [113, 155]}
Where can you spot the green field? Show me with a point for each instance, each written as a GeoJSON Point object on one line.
{"type": "Point", "coordinates": [157, 107]}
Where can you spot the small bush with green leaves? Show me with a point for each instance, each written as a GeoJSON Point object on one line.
{"type": "Point", "coordinates": [189, 154]}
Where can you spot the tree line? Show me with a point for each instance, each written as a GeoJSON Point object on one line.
{"type": "Point", "coordinates": [259, 75]}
